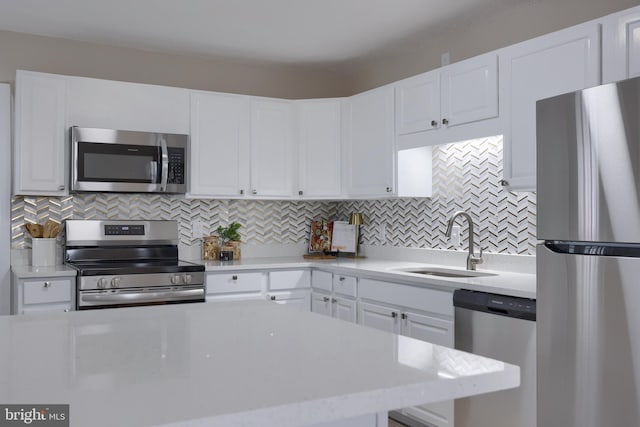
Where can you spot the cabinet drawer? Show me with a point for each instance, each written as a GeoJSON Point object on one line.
{"type": "Point", "coordinates": [46, 291]}
{"type": "Point", "coordinates": [235, 282]}
{"type": "Point", "coordinates": [321, 280]}
{"type": "Point", "coordinates": [292, 279]}
{"type": "Point", "coordinates": [46, 308]}
{"type": "Point", "coordinates": [424, 299]}
{"type": "Point", "coordinates": [345, 285]}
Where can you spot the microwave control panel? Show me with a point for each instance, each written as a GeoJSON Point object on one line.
{"type": "Point", "coordinates": [176, 166]}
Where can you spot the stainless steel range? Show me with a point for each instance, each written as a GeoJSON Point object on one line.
{"type": "Point", "coordinates": [130, 263]}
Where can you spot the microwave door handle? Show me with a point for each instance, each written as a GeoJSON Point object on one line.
{"type": "Point", "coordinates": [165, 164]}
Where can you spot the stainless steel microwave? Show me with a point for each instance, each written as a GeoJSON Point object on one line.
{"type": "Point", "coordinates": [107, 160]}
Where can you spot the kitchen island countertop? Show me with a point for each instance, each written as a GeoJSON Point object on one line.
{"type": "Point", "coordinates": [249, 363]}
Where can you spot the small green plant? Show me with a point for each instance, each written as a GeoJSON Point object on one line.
{"type": "Point", "coordinates": [228, 234]}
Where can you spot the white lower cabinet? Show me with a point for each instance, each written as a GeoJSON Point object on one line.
{"type": "Point", "coordinates": [235, 286]}
{"type": "Point", "coordinates": [291, 288]}
{"type": "Point", "coordinates": [421, 313]}
{"type": "Point", "coordinates": [334, 295]}
{"type": "Point", "coordinates": [43, 295]}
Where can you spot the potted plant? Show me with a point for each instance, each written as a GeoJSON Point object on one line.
{"type": "Point", "coordinates": [229, 238]}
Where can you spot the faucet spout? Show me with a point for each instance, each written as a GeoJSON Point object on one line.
{"type": "Point", "coordinates": [472, 260]}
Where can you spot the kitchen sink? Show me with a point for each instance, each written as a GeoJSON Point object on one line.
{"type": "Point", "coordinates": [445, 272]}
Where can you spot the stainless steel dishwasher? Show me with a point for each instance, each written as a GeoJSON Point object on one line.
{"type": "Point", "coordinates": [504, 328]}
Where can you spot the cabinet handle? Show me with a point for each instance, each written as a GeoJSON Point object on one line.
{"type": "Point", "coordinates": [272, 298]}
{"type": "Point", "coordinates": [434, 123]}
{"type": "Point", "coordinates": [388, 189]}
{"type": "Point", "coordinates": [241, 192]}
{"type": "Point", "coordinates": [254, 192]}
{"type": "Point", "coordinates": [504, 182]}
{"type": "Point", "coordinates": [66, 310]}
{"type": "Point", "coordinates": [333, 300]}
{"type": "Point", "coordinates": [60, 187]}
{"type": "Point", "coordinates": [341, 278]}
{"type": "Point", "coordinates": [325, 299]}
{"type": "Point", "coordinates": [404, 316]}
{"type": "Point", "coordinates": [300, 193]}
{"type": "Point", "coordinates": [47, 284]}
{"type": "Point", "coordinates": [445, 121]}
{"type": "Point", "coordinates": [394, 314]}
{"type": "Point", "coordinates": [234, 277]}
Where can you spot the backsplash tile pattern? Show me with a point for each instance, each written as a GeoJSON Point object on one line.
{"type": "Point", "coordinates": [263, 221]}
{"type": "Point", "coordinates": [466, 177]}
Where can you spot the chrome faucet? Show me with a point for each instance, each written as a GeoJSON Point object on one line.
{"type": "Point", "coordinates": [472, 260]}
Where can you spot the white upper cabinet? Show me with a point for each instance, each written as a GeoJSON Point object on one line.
{"type": "Point", "coordinates": [418, 103]}
{"type": "Point", "coordinates": [546, 66]}
{"type": "Point", "coordinates": [621, 45]}
{"type": "Point", "coordinates": [470, 91]}
{"type": "Point", "coordinates": [370, 145]}
{"type": "Point", "coordinates": [273, 150]}
{"type": "Point", "coordinates": [432, 107]}
{"type": "Point", "coordinates": [219, 145]}
{"type": "Point", "coordinates": [320, 143]}
{"type": "Point", "coordinates": [127, 106]}
{"type": "Point", "coordinates": [40, 160]}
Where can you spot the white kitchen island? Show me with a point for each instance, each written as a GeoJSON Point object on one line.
{"type": "Point", "coordinates": [250, 363]}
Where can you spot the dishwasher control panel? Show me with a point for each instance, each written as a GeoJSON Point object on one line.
{"type": "Point", "coordinates": [501, 305]}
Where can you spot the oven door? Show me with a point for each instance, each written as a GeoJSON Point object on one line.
{"type": "Point", "coordinates": [108, 160]}
{"type": "Point", "coordinates": [130, 297]}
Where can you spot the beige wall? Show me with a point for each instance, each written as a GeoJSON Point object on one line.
{"type": "Point", "coordinates": [60, 56]}
{"type": "Point", "coordinates": [480, 34]}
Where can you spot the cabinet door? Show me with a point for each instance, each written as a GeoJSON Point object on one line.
{"type": "Point", "coordinates": [321, 280]}
{"type": "Point", "coordinates": [436, 331]}
{"type": "Point", "coordinates": [219, 145]}
{"type": "Point", "coordinates": [321, 303]}
{"type": "Point", "coordinates": [550, 65]}
{"type": "Point", "coordinates": [344, 309]}
{"type": "Point", "coordinates": [297, 300]}
{"type": "Point", "coordinates": [379, 316]}
{"type": "Point", "coordinates": [290, 279]}
{"type": "Point", "coordinates": [371, 143]}
{"type": "Point", "coordinates": [272, 148]}
{"type": "Point", "coordinates": [40, 162]}
{"type": "Point", "coordinates": [418, 103]}
{"type": "Point", "coordinates": [621, 45]}
{"type": "Point", "coordinates": [470, 90]}
{"type": "Point", "coordinates": [320, 145]}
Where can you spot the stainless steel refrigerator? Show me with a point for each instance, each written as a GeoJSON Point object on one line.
{"type": "Point", "coordinates": [588, 268]}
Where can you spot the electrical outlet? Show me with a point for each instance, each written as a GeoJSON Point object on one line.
{"type": "Point", "coordinates": [382, 233]}
{"type": "Point", "coordinates": [197, 229]}
{"type": "Point", "coordinates": [455, 236]}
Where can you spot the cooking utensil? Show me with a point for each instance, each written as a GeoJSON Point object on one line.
{"type": "Point", "coordinates": [35, 230]}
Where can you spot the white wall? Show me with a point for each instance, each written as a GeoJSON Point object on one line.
{"type": "Point", "coordinates": [5, 189]}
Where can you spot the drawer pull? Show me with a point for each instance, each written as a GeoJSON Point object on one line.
{"type": "Point", "coordinates": [273, 298]}
{"type": "Point", "coordinates": [333, 300]}
{"type": "Point", "coordinates": [66, 310]}
{"type": "Point", "coordinates": [341, 278]}
{"type": "Point", "coordinates": [47, 284]}
{"type": "Point", "coordinates": [394, 314]}
{"type": "Point", "coordinates": [325, 299]}
{"type": "Point", "coordinates": [404, 316]}
{"type": "Point", "coordinates": [234, 277]}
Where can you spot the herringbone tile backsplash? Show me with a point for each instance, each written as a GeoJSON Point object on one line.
{"type": "Point", "coordinates": [466, 177]}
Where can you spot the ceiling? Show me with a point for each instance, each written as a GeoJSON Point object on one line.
{"type": "Point", "coordinates": [301, 32]}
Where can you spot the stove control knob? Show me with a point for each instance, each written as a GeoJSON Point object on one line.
{"type": "Point", "coordinates": [115, 282]}
{"type": "Point", "coordinates": [175, 280]}
{"type": "Point", "coordinates": [187, 279]}
{"type": "Point", "coordinates": [102, 283]}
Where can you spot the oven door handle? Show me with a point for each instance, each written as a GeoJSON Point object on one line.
{"type": "Point", "coordinates": [133, 297]}
{"type": "Point", "coordinates": [164, 152]}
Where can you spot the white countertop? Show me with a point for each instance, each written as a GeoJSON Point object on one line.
{"type": "Point", "coordinates": [504, 282]}
{"type": "Point", "coordinates": [28, 271]}
{"type": "Point", "coordinates": [249, 363]}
